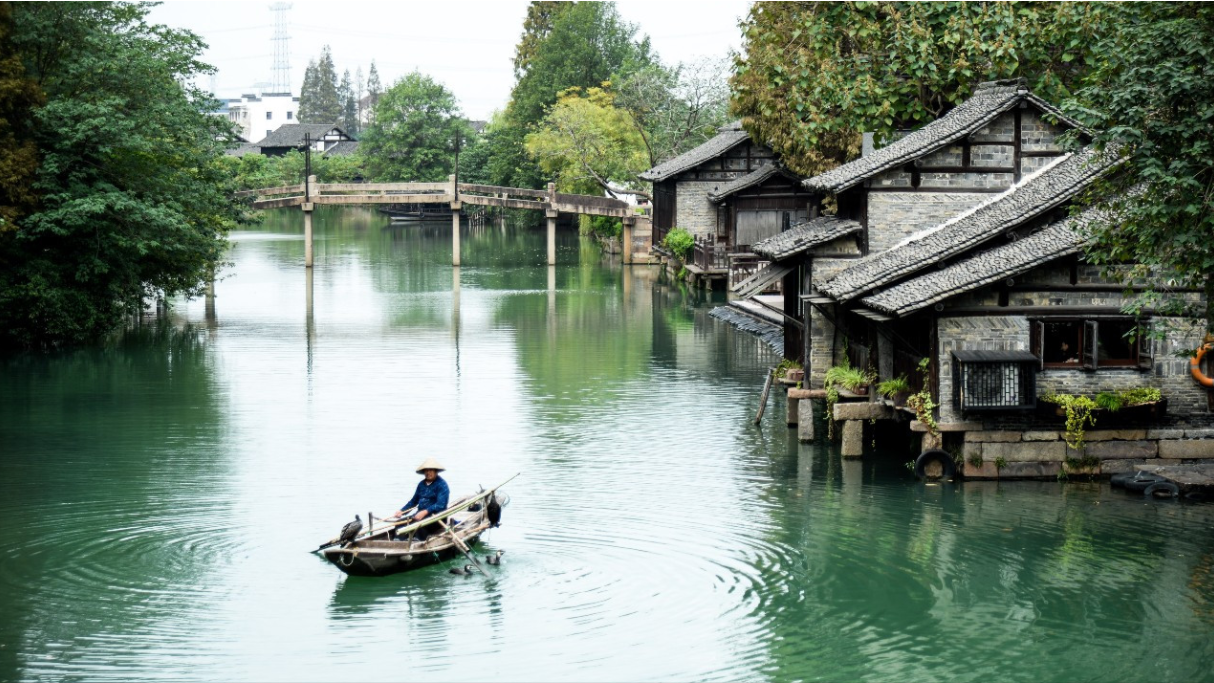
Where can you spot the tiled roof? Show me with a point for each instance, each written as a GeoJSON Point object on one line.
{"type": "Point", "coordinates": [751, 179]}
{"type": "Point", "coordinates": [1032, 197]}
{"type": "Point", "coordinates": [292, 134]}
{"type": "Point", "coordinates": [804, 236]}
{"type": "Point", "coordinates": [1009, 260]}
{"type": "Point", "coordinates": [727, 138]}
{"type": "Point", "coordinates": [343, 148]}
{"type": "Point", "coordinates": [987, 103]}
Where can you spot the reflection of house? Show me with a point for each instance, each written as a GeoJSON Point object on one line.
{"type": "Point", "coordinates": [955, 243]}
{"type": "Point", "coordinates": [321, 137]}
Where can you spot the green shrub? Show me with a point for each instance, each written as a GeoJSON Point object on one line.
{"type": "Point", "coordinates": [890, 387]}
{"type": "Point", "coordinates": [679, 242]}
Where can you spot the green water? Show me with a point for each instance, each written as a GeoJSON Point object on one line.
{"type": "Point", "coordinates": [158, 497]}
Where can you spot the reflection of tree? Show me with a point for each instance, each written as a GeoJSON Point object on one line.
{"type": "Point", "coordinates": [111, 460]}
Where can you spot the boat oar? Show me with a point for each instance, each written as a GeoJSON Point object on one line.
{"type": "Point", "coordinates": [463, 548]}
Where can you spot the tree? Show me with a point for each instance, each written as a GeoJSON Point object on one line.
{"type": "Point", "coordinates": [318, 100]}
{"type": "Point", "coordinates": [308, 94]}
{"type": "Point", "coordinates": [536, 28]}
{"type": "Point", "coordinates": [813, 75]}
{"type": "Point", "coordinates": [589, 144]}
{"type": "Point", "coordinates": [374, 88]}
{"type": "Point", "coordinates": [20, 96]}
{"type": "Point", "coordinates": [131, 200]}
{"type": "Point", "coordinates": [677, 109]}
{"type": "Point", "coordinates": [349, 110]}
{"type": "Point", "coordinates": [413, 134]}
{"type": "Point", "coordinates": [1151, 98]}
{"type": "Point", "coordinates": [573, 45]}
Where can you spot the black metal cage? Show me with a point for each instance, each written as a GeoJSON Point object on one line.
{"type": "Point", "coordinates": [994, 380]}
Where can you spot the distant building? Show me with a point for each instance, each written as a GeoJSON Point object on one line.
{"type": "Point", "coordinates": [259, 115]}
{"type": "Point", "coordinates": [326, 138]}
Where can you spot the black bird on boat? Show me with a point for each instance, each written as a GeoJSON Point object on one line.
{"type": "Point", "coordinates": [350, 531]}
{"type": "Point", "coordinates": [465, 570]}
{"type": "Point", "coordinates": [493, 511]}
{"type": "Point", "coordinates": [494, 559]}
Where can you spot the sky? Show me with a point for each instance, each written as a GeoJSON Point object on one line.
{"type": "Point", "coordinates": [468, 46]}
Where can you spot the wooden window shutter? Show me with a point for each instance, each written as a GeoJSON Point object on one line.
{"type": "Point", "coordinates": [1037, 342]}
{"type": "Point", "coordinates": [1146, 347]}
{"type": "Point", "coordinates": [1088, 354]}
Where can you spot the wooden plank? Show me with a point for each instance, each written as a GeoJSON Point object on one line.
{"type": "Point", "coordinates": [494, 189]}
{"type": "Point", "coordinates": [382, 187]}
{"type": "Point", "coordinates": [766, 390]}
{"type": "Point", "coordinates": [383, 199]}
{"type": "Point", "coordinates": [278, 203]}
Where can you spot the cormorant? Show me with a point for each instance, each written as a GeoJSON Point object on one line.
{"type": "Point", "coordinates": [493, 511]}
{"type": "Point", "coordinates": [462, 571]}
{"type": "Point", "coordinates": [349, 531]}
{"type": "Point", "coordinates": [494, 559]}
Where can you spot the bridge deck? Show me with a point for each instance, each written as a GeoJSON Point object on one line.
{"type": "Point", "coordinates": [436, 193]}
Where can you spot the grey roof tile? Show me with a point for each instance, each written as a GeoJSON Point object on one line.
{"type": "Point", "coordinates": [987, 103]}
{"type": "Point", "coordinates": [728, 137]}
{"type": "Point", "coordinates": [751, 179]}
{"type": "Point", "coordinates": [1032, 197]}
{"type": "Point", "coordinates": [343, 148]}
{"type": "Point", "coordinates": [804, 236]}
{"type": "Point", "coordinates": [1009, 260]}
{"type": "Point", "coordinates": [292, 134]}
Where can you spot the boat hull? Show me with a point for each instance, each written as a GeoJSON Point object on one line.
{"type": "Point", "coordinates": [372, 561]}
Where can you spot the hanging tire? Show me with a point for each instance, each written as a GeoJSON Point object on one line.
{"type": "Point", "coordinates": [1120, 479]}
{"type": "Point", "coordinates": [1140, 481]}
{"type": "Point", "coordinates": [935, 464]}
{"type": "Point", "coordinates": [1162, 489]}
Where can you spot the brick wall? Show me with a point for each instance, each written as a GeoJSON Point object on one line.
{"type": "Point", "coordinates": [696, 214]}
{"type": "Point", "coordinates": [894, 216]}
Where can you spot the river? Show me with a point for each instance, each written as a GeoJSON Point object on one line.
{"type": "Point", "coordinates": [159, 496]}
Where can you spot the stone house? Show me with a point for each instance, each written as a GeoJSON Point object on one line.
{"type": "Point", "coordinates": [956, 243]}
{"type": "Point", "coordinates": [729, 191]}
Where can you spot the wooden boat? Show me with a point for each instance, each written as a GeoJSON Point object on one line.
{"type": "Point", "coordinates": [391, 548]}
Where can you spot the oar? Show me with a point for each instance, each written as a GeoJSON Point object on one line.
{"type": "Point", "coordinates": [463, 548]}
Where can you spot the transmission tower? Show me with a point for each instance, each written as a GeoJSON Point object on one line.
{"type": "Point", "coordinates": [282, 53]}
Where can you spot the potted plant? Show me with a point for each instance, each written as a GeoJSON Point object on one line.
{"type": "Point", "coordinates": [852, 379]}
{"type": "Point", "coordinates": [895, 389]}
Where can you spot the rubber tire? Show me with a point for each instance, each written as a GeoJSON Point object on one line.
{"type": "Point", "coordinates": [948, 467]}
{"type": "Point", "coordinates": [1153, 491]}
{"type": "Point", "coordinates": [1138, 485]}
{"type": "Point", "coordinates": [1120, 479]}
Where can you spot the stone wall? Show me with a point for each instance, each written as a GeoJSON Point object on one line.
{"type": "Point", "coordinates": [1004, 454]}
{"type": "Point", "coordinates": [695, 213]}
{"type": "Point", "coordinates": [894, 216]}
{"type": "Point", "coordinates": [1187, 402]}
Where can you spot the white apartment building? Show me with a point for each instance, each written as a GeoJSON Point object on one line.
{"type": "Point", "coordinates": [259, 115]}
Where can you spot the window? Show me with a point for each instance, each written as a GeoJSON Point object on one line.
{"type": "Point", "coordinates": [269, 115]}
{"type": "Point", "coordinates": [290, 115]}
{"type": "Point", "coordinates": [1092, 344]}
{"type": "Point", "coordinates": [994, 380]}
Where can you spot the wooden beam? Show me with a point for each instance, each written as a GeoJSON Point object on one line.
{"type": "Point", "coordinates": [363, 188]}
{"type": "Point", "coordinates": [278, 203]}
{"type": "Point", "coordinates": [383, 199]}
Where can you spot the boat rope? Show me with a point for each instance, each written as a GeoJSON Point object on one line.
{"type": "Point", "coordinates": [342, 559]}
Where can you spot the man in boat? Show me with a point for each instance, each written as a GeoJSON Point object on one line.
{"type": "Point", "coordinates": [430, 498]}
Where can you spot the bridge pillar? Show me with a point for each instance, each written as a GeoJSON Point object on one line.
{"type": "Point", "coordinates": [455, 211]}
{"type": "Point", "coordinates": [551, 214]}
{"type": "Point", "coordinates": [629, 221]}
{"type": "Point", "coordinates": [307, 209]}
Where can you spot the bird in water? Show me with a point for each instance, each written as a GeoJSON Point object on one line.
{"type": "Point", "coordinates": [465, 570]}
{"type": "Point", "coordinates": [494, 559]}
{"type": "Point", "coordinates": [350, 530]}
{"type": "Point", "coordinates": [493, 510]}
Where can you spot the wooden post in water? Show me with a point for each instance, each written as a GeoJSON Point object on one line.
{"type": "Point", "coordinates": [455, 209]}
{"type": "Point", "coordinates": [551, 215]}
{"type": "Point", "coordinates": [308, 206]}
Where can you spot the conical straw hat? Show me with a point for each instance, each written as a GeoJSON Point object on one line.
{"type": "Point", "coordinates": [430, 464]}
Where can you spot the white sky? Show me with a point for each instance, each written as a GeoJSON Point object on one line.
{"type": "Point", "coordinates": [468, 46]}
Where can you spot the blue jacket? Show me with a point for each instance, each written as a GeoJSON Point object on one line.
{"type": "Point", "coordinates": [429, 497]}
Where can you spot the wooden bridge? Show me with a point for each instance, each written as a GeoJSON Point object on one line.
{"type": "Point", "coordinates": [309, 194]}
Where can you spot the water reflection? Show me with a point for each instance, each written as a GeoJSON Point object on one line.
{"type": "Point", "coordinates": [158, 497]}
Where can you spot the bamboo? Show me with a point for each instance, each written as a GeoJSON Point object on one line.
{"type": "Point", "coordinates": [463, 548]}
